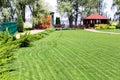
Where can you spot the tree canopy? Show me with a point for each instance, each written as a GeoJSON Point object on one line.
{"type": "Point", "coordinates": [11, 7]}
{"type": "Point", "coordinates": [74, 8]}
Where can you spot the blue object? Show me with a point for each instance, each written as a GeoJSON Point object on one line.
{"type": "Point", "coordinates": [12, 27]}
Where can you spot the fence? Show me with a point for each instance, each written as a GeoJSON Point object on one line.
{"type": "Point", "coordinates": [12, 27]}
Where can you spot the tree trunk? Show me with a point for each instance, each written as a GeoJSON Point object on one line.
{"type": "Point", "coordinates": [76, 16]}
{"type": "Point", "coordinates": [33, 15]}
{"type": "Point", "coordinates": [70, 21]}
{"type": "Point", "coordinates": [23, 13]}
{"type": "Point", "coordinates": [22, 8]}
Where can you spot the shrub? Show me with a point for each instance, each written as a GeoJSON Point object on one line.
{"type": "Point", "coordinates": [111, 27]}
{"type": "Point", "coordinates": [11, 43]}
{"type": "Point", "coordinates": [98, 27]}
{"type": "Point", "coordinates": [36, 37]}
{"type": "Point", "coordinates": [104, 26]}
{"type": "Point", "coordinates": [113, 23]}
{"type": "Point", "coordinates": [20, 23]}
{"type": "Point", "coordinates": [6, 54]}
{"type": "Point", "coordinates": [41, 35]}
{"type": "Point", "coordinates": [24, 40]}
{"type": "Point", "coordinates": [5, 37]}
{"type": "Point", "coordinates": [118, 26]}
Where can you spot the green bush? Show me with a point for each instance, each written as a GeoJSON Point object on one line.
{"type": "Point", "coordinates": [118, 26]}
{"type": "Point", "coordinates": [104, 26]}
{"type": "Point", "coordinates": [41, 35]}
{"type": "Point", "coordinates": [111, 27]}
{"type": "Point", "coordinates": [6, 54]}
{"type": "Point", "coordinates": [97, 28]}
{"type": "Point", "coordinates": [5, 37]}
{"type": "Point", "coordinates": [24, 40]}
{"type": "Point", "coordinates": [20, 23]}
{"type": "Point", "coordinates": [9, 44]}
{"type": "Point", "coordinates": [113, 23]}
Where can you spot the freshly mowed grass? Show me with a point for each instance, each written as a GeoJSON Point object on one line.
{"type": "Point", "coordinates": [70, 55]}
{"type": "Point", "coordinates": [111, 30]}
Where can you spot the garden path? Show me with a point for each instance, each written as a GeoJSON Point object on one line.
{"type": "Point", "coordinates": [93, 30]}
{"type": "Point", "coordinates": [35, 31]}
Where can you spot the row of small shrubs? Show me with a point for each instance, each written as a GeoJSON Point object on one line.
{"type": "Point", "coordinates": [104, 26]}
{"type": "Point", "coordinates": [9, 43]}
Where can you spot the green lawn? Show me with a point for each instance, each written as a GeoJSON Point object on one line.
{"type": "Point", "coordinates": [111, 30]}
{"type": "Point", "coordinates": [70, 55]}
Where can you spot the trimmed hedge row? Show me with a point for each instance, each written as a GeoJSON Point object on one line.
{"type": "Point", "coordinates": [104, 26]}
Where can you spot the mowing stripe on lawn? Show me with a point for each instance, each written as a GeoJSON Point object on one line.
{"type": "Point", "coordinates": [95, 61]}
{"type": "Point", "coordinates": [70, 55]}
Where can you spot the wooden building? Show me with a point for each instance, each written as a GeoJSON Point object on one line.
{"type": "Point", "coordinates": [94, 19]}
{"type": "Point", "coordinates": [48, 23]}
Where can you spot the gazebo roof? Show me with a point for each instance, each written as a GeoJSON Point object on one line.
{"type": "Point", "coordinates": [96, 16]}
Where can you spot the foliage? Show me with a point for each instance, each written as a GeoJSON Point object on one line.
{"type": "Point", "coordinates": [5, 37]}
{"type": "Point", "coordinates": [111, 27]}
{"type": "Point", "coordinates": [65, 7]}
{"type": "Point", "coordinates": [24, 40]}
{"type": "Point", "coordinates": [6, 54]}
{"type": "Point", "coordinates": [8, 44]}
{"type": "Point", "coordinates": [104, 26]}
{"type": "Point", "coordinates": [6, 14]}
{"type": "Point", "coordinates": [34, 37]}
{"type": "Point", "coordinates": [116, 2]}
{"type": "Point", "coordinates": [73, 8]}
{"type": "Point", "coordinates": [118, 26]}
{"type": "Point", "coordinates": [114, 23]}
{"type": "Point", "coordinates": [40, 18]}
{"type": "Point", "coordinates": [20, 23]}
{"type": "Point", "coordinates": [39, 12]}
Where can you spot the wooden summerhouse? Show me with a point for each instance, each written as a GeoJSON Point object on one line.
{"type": "Point", "coordinates": [95, 19]}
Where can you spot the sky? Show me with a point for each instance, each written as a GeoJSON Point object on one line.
{"type": "Point", "coordinates": [108, 3]}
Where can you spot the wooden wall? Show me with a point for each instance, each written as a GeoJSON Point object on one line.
{"type": "Point", "coordinates": [47, 23]}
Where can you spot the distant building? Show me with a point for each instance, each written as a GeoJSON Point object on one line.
{"type": "Point", "coordinates": [93, 19]}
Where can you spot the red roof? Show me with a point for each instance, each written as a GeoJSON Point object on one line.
{"type": "Point", "coordinates": [96, 16]}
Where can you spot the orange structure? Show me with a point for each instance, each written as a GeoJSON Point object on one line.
{"type": "Point", "coordinates": [47, 23]}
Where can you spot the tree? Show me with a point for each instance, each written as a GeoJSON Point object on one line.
{"type": "Point", "coordinates": [39, 10]}
{"type": "Point", "coordinates": [20, 23]}
{"type": "Point", "coordinates": [6, 9]}
{"type": "Point", "coordinates": [84, 8]}
{"type": "Point", "coordinates": [74, 8]}
{"type": "Point", "coordinates": [117, 3]}
{"type": "Point", "coordinates": [20, 7]}
{"type": "Point", "coordinates": [37, 7]}
{"type": "Point", "coordinates": [6, 14]}
{"type": "Point", "coordinates": [66, 7]}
